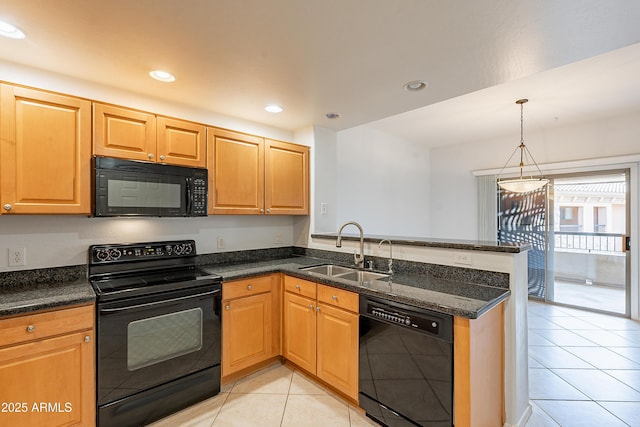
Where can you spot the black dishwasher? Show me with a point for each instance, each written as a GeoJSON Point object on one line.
{"type": "Point", "coordinates": [406, 364]}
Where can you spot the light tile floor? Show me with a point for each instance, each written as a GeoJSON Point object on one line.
{"type": "Point", "coordinates": [274, 396]}
{"type": "Point", "coordinates": [584, 368]}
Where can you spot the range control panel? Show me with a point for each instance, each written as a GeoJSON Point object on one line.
{"type": "Point", "coordinates": [102, 254]}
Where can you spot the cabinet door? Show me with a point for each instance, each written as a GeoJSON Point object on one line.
{"type": "Point", "coordinates": [299, 332]}
{"type": "Point", "coordinates": [286, 178]}
{"type": "Point", "coordinates": [49, 382]}
{"type": "Point", "coordinates": [246, 332]}
{"type": "Point", "coordinates": [338, 349]}
{"type": "Point", "coordinates": [236, 172]}
{"type": "Point", "coordinates": [181, 143]}
{"type": "Point", "coordinates": [122, 133]}
{"type": "Point", "coordinates": [45, 152]}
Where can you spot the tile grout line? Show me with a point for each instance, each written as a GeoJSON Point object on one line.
{"type": "Point", "coordinates": [595, 368]}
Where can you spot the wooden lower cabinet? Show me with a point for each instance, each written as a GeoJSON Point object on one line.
{"type": "Point", "coordinates": [300, 331]}
{"type": "Point", "coordinates": [478, 378]}
{"type": "Point", "coordinates": [250, 322]}
{"type": "Point", "coordinates": [337, 342]}
{"type": "Point", "coordinates": [320, 332]}
{"type": "Point", "coordinates": [47, 369]}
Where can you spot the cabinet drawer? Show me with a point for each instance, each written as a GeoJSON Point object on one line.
{"type": "Point", "coordinates": [245, 287]}
{"type": "Point", "coordinates": [300, 286]}
{"type": "Point", "coordinates": [338, 297]}
{"type": "Point", "coordinates": [41, 325]}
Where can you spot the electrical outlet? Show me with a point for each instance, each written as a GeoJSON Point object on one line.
{"type": "Point", "coordinates": [462, 258]}
{"type": "Point", "coordinates": [324, 208]}
{"type": "Point", "coordinates": [17, 257]}
{"type": "Point", "coordinates": [220, 242]}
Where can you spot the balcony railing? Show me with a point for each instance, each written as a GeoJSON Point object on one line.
{"type": "Point", "coordinates": [589, 242]}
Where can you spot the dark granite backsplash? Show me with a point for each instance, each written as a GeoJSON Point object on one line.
{"type": "Point", "coordinates": [457, 274]}
{"type": "Point", "coordinates": [41, 277]}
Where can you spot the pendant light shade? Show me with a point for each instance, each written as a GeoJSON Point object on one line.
{"type": "Point", "coordinates": [522, 184]}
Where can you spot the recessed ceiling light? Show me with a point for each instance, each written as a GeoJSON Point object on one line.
{"type": "Point", "coordinates": [273, 108]}
{"type": "Point", "coordinates": [332, 116]}
{"type": "Point", "coordinates": [162, 76]}
{"type": "Point", "coordinates": [415, 86]}
{"type": "Point", "coordinates": [10, 31]}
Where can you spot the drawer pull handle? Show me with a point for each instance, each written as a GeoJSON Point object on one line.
{"type": "Point", "coordinates": [87, 339]}
{"type": "Point", "coordinates": [249, 287]}
{"type": "Point", "coordinates": [31, 328]}
{"type": "Point", "coordinates": [298, 287]}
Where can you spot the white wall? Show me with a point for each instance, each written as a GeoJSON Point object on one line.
{"type": "Point", "coordinates": [53, 241]}
{"type": "Point", "coordinates": [382, 182]}
{"type": "Point", "coordinates": [455, 214]}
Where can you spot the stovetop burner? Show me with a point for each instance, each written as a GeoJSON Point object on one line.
{"type": "Point", "coordinates": [127, 270]}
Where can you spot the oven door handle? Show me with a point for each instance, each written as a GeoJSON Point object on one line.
{"type": "Point", "coordinates": [150, 304]}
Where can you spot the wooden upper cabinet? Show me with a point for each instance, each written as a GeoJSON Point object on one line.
{"type": "Point", "coordinates": [251, 175]}
{"type": "Point", "coordinates": [181, 142]}
{"type": "Point", "coordinates": [136, 135]}
{"type": "Point", "coordinates": [123, 133]}
{"type": "Point", "coordinates": [236, 172]}
{"type": "Point", "coordinates": [286, 178]}
{"type": "Point", "coordinates": [45, 152]}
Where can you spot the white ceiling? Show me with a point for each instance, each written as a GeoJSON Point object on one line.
{"type": "Point", "coordinates": [574, 60]}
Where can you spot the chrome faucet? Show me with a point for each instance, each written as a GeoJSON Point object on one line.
{"type": "Point", "coordinates": [358, 259]}
{"type": "Point", "coordinates": [390, 263]}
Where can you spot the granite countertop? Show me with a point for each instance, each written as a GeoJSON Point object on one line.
{"type": "Point", "coordinates": [460, 292]}
{"type": "Point", "coordinates": [455, 297]}
{"type": "Point", "coordinates": [26, 291]}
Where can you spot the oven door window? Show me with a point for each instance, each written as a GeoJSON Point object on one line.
{"type": "Point", "coordinates": [160, 338]}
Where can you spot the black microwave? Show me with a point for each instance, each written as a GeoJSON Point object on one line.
{"type": "Point", "coordinates": [133, 188]}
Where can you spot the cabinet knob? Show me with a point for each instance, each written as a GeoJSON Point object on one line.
{"type": "Point", "coordinates": [7, 206]}
{"type": "Point", "coordinates": [311, 306]}
{"type": "Point", "coordinates": [261, 210]}
{"type": "Point", "coordinates": [249, 287]}
{"type": "Point", "coordinates": [298, 287]}
{"type": "Point", "coordinates": [334, 297]}
{"type": "Point", "coordinates": [227, 307]}
{"type": "Point", "coordinates": [31, 328]}
{"type": "Point", "coordinates": [162, 157]}
{"type": "Point", "coordinates": [269, 210]}
{"type": "Point", "coordinates": [150, 156]}
{"type": "Point", "coordinates": [87, 339]}
{"type": "Point", "coordinates": [318, 308]}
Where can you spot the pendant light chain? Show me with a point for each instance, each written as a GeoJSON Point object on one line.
{"type": "Point", "coordinates": [521, 185]}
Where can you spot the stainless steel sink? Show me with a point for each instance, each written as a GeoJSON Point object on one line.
{"type": "Point", "coordinates": [328, 270]}
{"type": "Point", "coordinates": [362, 276]}
{"type": "Point", "coordinates": [345, 273]}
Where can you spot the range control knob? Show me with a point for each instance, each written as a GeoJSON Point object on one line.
{"type": "Point", "coordinates": [407, 321]}
{"type": "Point", "coordinates": [115, 254]}
{"type": "Point", "coordinates": [102, 254]}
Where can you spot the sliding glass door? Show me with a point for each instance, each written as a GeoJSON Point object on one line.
{"type": "Point", "coordinates": [578, 229]}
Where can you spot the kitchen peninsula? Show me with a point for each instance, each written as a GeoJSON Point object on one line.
{"type": "Point", "coordinates": [428, 274]}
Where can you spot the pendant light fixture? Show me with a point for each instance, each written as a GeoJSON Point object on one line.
{"type": "Point", "coordinates": [522, 184]}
